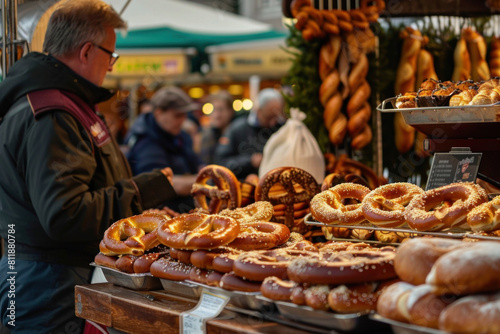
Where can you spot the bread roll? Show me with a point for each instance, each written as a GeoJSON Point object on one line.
{"type": "Point", "coordinates": [415, 257]}
{"type": "Point", "coordinates": [472, 269]}
{"type": "Point", "coordinates": [472, 314]}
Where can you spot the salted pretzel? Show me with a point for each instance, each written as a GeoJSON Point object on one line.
{"type": "Point", "coordinates": [258, 265]}
{"type": "Point", "coordinates": [485, 217]}
{"type": "Point", "coordinates": [328, 206]}
{"type": "Point", "coordinates": [444, 207]}
{"type": "Point", "coordinates": [168, 268]}
{"type": "Point", "coordinates": [357, 298]}
{"type": "Point", "coordinates": [345, 267]}
{"type": "Point", "coordinates": [296, 241]}
{"type": "Point", "coordinates": [225, 191]}
{"type": "Point", "coordinates": [230, 281]}
{"type": "Point", "coordinates": [133, 235]}
{"type": "Point", "coordinates": [385, 205]}
{"type": "Point", "coordinates": [260, 235]}
{"type": "Point", "coordinates": [204, 259]}
{"type": "Point", "coordinates": [333, 179]}
{"type": "Point", "coordinates": [277, 289]}
{"type": "Point", "coordinates": [198, 231]}
{"type": "Point", "coordinates": [288, 178]}
{"type": "Point", "coordinates": [260, 211]}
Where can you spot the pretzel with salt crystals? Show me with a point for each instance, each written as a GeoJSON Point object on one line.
{"type": "Point", "coordinates": [485, 217]}
{"type": "Point", "coordinates": [328, 206]}
{"type": "Point", "coordinates": [137, 232]}
{"type": "Point", "coordinates": [444, 207]}
{"type": "Point", "coordinates": [256, 212]}
{"type": "Point", "coordinates": [288, 177]}
{"type": "Point", "coordinates": [226, 190]}
{"type": "Point", "coordinates": [260, 235]}
{"type": "Point", "coordinates": [198, 231]}
{"type": "Point", "coordinates": [343, 267]}
{"type": "Point", "coordinates": [258, 265]}
{"type": "Point", "coordinates": [385, 205]}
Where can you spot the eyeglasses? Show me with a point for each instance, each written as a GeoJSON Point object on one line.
{"type": "Point", "coordinates": [114, 56]}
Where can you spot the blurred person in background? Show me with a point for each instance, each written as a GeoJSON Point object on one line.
{"type": "Point", "coordinates": [240, 147]}
{"type": "Point", "coordinates": [63, 179]}
{"type": "Point", "coordinates": [220, 118]}
{"type": "Point", "coordinates": [156, 140]}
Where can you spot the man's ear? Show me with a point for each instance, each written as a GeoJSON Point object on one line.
{"type": "Point", "coordinates": [84, 52]}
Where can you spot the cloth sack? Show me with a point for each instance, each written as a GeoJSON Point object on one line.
{"type": "Point", "coordinates": [293, 145]}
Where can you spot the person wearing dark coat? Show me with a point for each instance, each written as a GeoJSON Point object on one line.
{"type": "Point", "coordinates": [63, 179]}
{"type": "Point", "coordinates": [220, 119]}
{"type": "Point", "coordinates": [240, 147]}
{"type": "Point", "coordinates": [156, 140]}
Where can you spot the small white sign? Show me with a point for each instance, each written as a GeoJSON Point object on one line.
{"type": "Point", "coordinates": [209, 306]}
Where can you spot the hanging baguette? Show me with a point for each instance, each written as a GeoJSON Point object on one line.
{"type": "Point", "coordinates": [425, 67]}
{"type": "Point", "coordinates": [477, 50]}
{"type": "Point", "coordinates": [405, 82]}
{"type": "Point", "coordinates": [462, 70]}
{"type": "Point", "coordinates": [425, 70]}
{"type": "Point", "coordinates": [495, 57]}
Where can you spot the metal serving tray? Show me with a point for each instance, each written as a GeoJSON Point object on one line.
{"type": "Point", "coordinates": [454, 122]}
{"type": "Point", "coordinates": [343, 322]}
{"type": "Point", "coordinates": [144, 281]}
{"type": "Point", "coordinates": [238, 299]}
{"type": "Point", "coordinates": [447, 233]}
{"type": "Point", "coordinates": [181, 288]}
{"type": "Point", "coordinates": [403, 328]}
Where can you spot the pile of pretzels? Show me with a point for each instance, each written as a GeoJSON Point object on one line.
{"type": "Point", "coordinates": [463, 206]}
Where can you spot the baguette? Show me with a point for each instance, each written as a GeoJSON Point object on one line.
{"type": "Point", "coordinates": [462, 70]}
{"type": "Point", "coordinates": [425, 67]}
{"type": "Point", "coordinates": [477, 50]}
{"type": "Point", "coordinates": [495, 57]}
{"type": "Point", "coordinates": [405, 75]}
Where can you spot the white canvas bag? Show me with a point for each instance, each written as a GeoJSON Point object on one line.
{"type": "Point", "coordinates": [293, 145]}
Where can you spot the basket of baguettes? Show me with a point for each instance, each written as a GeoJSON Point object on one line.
{"type": "Point", "coordinates": [469, 107]}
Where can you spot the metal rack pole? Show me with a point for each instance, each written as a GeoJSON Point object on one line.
{"type": "Point", "coordinates": [4, 39]}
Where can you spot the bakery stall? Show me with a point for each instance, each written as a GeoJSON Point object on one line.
{"type": "Point", "coordinates": [360, 250]}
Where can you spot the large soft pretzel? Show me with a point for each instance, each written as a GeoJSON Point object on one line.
{"type": "Point", "coordinates": [198, 231]}
{"type": "Point", "coordinates": [329, 207]}
{"type": "Point", "coordinates": [343, 267]}
{"type": "Point", "coordinates": [133, 235]}
{"type": "Point", "coordinates": [255, 212]}
{"type": "Point", "coordinates": [288, 177]}
{"type": "Point", "coordinates": [260, 235]}
{"type": "Point", "coordinates": [385, 205]}
{"type": "Point", "coordinates": [226, 190]}
{"type": "Point", "coordinates": [485, 217]}
{"type": "Point", "coordinates": [444, 207]}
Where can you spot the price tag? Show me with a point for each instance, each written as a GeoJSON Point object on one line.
{"type": "Point", "coordinates": [459, 165]}
{"type": "Point", "coordinates": [209, 306]}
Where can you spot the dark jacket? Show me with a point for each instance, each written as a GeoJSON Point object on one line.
{"type": "Point", "coordinates": [243, 138]}
{"type": "Point", "coordinates": [60, 185]}
{"type": "Point", "coordinates": [151, 147]}
{"type": "Point", "coordinates": [209, 138]}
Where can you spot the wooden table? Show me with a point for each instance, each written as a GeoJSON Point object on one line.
{"type": "Point", "coordinates": [157, 312]}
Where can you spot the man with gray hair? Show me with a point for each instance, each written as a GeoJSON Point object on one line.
{"type": "Point", "coordinates": [240, 148]}
{"type": "Point", "coordinates": [63, 179]}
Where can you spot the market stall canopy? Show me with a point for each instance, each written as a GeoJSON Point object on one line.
{"type": "Point", "coordinates": [181, 24]}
